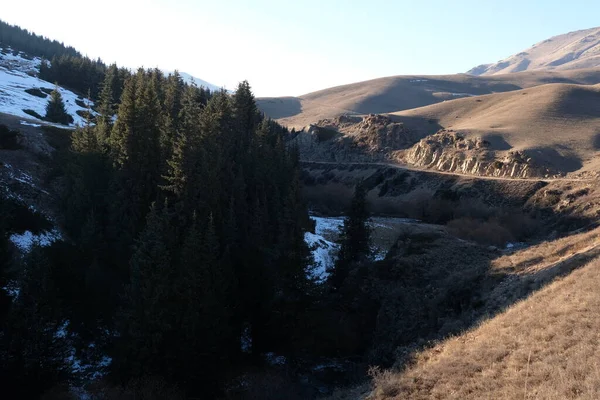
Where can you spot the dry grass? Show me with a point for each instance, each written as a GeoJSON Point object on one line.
{"type": "Point", "coordinates": [556, 124]}
{"type": "Point", "coordinates": [397, 93]}
{"type": "Point", "coordinates": [546, 346]}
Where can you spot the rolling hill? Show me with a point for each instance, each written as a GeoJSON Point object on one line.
{"type": "Point", "coordinates": [573, 50]}
{"type": "Point", "coordinates": [397, 93]}
{"type": "Point", "coordinates": [558, 124]}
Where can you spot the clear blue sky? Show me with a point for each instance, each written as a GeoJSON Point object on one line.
{"type": "Point", "coordinates": [295, 47]}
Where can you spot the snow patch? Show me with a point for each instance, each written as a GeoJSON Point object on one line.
{"type": "Point", "coordinates": [463, 94]}
{"type": "Point", "coordinates": [12, 289]}
{"type": "Point", "coordinates": [24, 241]}
{"type": "Point", "coordinates": [30, 124]}
{"type": "Point", "coordinates": [324, 253]}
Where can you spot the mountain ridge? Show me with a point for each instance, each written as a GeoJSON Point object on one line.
{"type": "Point", "coordinates": [573, 50]}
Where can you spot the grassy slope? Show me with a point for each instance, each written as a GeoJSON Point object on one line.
{"type": "Point", "coordinates": [557, 123]}
{"type": "Point", "coordinates": [397, 93]}
{"type": "Point", "coordinates": [546, 346]}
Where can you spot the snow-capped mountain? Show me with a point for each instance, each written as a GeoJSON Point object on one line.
{"type": "Point", "coordinates": [21, 89]}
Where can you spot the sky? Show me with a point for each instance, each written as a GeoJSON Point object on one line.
{"type": "Point", "coordinates": [289, 48]}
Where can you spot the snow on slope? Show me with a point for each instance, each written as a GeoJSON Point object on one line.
{"type": "Point", "coordinates": [199, 82]}
{"type": "Point", "coordinates": [26, 240]}
{"type": "Point", "coordinates": [18, 74]}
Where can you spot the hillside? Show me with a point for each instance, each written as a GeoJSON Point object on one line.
{"type": "Point", "coordinates": [398, 93]}
{"type": "Point", "coordinates": [573, 50]}
{"type": "Point", "coordinates": [24, 95]}
{"type": "Point", "coordinates": [542, 347]}
{"type": "Point", "coordinates": [556, 123]}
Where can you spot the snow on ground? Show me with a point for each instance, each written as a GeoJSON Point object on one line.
{"type": "Point", "coordinates": [83, 369]}
{"type": "Point", "coordinates": [24, 241]}
{"type": "Point", "coordinates": [324, 253]}
{"type": "Point", "coordinates": [18, 74]}
{"type": "Point", "coordinates": [322, 244]}
{"type": "Point", "coordinates": [324, 247]}
{"type": "Point", "coordinates": [463, 94]}
{"type": "Point", "coordinates": [12, 288]}
{"type": "Point", "coordinates": [30, 124]}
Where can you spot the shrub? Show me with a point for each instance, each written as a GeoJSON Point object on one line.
{"type": "Point", "coordinates": [33, 114]}
{"type": "Point", "coordinates": [80, 103]}
{"type": "Point", "coordinates": [484, 232]}
{"type": "Point", "coordinates": [84, 114]}
{"type": "Point", "coordinates": [36, 92]}
{"type": "Point", "coordinates": [8, 138]}
{"type": "Point", "coordinates": [325, 134]}
{"type": "Point", "coordinates": [23, 218]}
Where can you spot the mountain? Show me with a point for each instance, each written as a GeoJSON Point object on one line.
{"type": "Point", "coordinates": [397, 93]}
{"type": "Point", "coordinates": [573, 50]}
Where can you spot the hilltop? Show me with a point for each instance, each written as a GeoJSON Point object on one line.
{"type": "Point", "coordinates": [398, 93]}
{"type": "Point", "coordinates": [573, 50]}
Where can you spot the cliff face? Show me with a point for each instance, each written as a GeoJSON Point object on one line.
{"type": "Point", "coordinates": [376, 138]}
{"type": "Point", "coordinates": [353, 139]}
{"type": "Point", "coordinates": [451, 152]}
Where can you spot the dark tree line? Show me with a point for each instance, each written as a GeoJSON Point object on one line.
{"type": "Point", "coordinates": [80, 74]}
{"type": "Point", "coordinates": [185, 232]}
{"type": "Point", "coordinates": [32, 44]}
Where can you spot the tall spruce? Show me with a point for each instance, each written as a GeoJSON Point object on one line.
{"type": "Point", "coordinates": [55, 109]}
{"type": "Point", "coordinates": [355, 237]}
{"type": "Point", "coordinates": [107, 104]}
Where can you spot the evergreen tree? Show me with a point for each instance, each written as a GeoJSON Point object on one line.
{"type": "Point", "coordinates": [32, 354]}
{"type": "Point", "coordinates": [146, 322]}
{"type": "Point", "coordinates": [107, 104]}
{"type": "Point", "coordinates": [55, 109]}
{"type": "Point", "coordinates": [355, 237]}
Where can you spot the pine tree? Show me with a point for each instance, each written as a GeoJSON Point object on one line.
{"type": "Point", "coordinates": [32, 355]}
{"type": "Point", "coordinates": [55, 109]}
{"type": "Point", "coordinates": [205, 288]}
{"type": "Point", "coordinates": [146, 322]}
{"type": "Point", "coordinates": [355, 237]}
{"type": "Point", "coordinates": [107, 104]}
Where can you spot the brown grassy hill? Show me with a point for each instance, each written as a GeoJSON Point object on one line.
{"type": "Point", "coordinates": [544, 347]}
{"type": "Point", "coordinates": [557, 124]}
{"type": "Point", "coordinates": [406, 92]}
{"type": "Point", "coordinates": [574, 50]}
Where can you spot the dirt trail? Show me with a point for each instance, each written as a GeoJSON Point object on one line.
{"type": "Point", "coordinates": [412, 168]}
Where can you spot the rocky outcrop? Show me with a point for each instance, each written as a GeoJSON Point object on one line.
{"type": "Point", "coordinates": [451, 152]}
{"type": "Point", "coordinates": [353, 139]}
